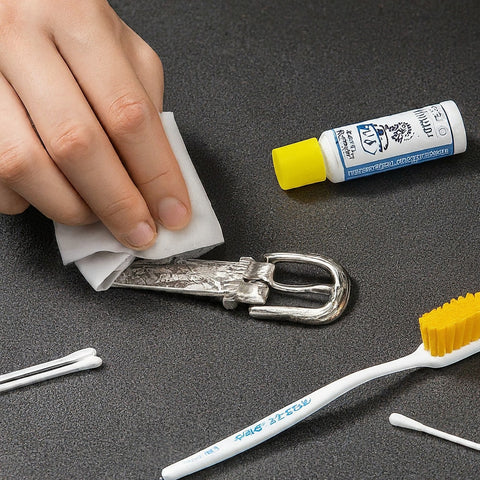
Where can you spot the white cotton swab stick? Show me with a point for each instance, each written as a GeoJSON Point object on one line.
{"type": "Point", "coordinates": [399, 420]}
{"type": "Point", "coordinates": [73, 357]}
{"type": "Point", "coordinates": [81, 360]}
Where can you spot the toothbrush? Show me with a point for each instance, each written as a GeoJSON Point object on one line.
{"type": "Point", "coordinates": [398, 420]}
{"type": "Point", "coordinates": [75, 362]}
{"type": "Point", "coordinates": [450, 333]}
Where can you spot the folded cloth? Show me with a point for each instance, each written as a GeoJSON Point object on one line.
{"type": "Point", "coordinates": [101, 258]}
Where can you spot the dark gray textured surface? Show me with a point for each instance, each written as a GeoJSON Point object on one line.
{"type": "Point", "coordinates": [243, 77]}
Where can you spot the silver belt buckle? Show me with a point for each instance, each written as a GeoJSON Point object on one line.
{"type": "Point", "coordinates": [246, 281]}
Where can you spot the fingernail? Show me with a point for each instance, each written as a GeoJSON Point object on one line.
{"type": "Point", "coordinates": [172, 213]}
{"type": "Point", "coordinates": [141, 236]}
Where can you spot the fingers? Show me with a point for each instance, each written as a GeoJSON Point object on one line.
{"type": "Point", "coordinates": [93, 90]}
{"type": "Point", "coordinates": [27, 174]}
{"type": "Point", "coordinates": [78, 145]}
{"type": "Point", "coordinates": [130, 117]}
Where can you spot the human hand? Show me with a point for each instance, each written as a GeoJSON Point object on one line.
{"type": "Point", "coordinates": [80, 134]}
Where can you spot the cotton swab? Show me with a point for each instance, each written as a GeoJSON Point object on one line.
{"type": "Point", "coordinates": [81, 360]}
{"type": "Point", "coordinates": [399, 420]}
{"type": "Point", "coordinates": [73, 357]}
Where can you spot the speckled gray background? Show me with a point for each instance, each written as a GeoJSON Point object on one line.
{"type": "Point", "coordinates": [244, 77]}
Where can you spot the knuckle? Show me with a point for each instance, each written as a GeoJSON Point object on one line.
{"type": "Point", "coordinates": [9, 17]}
{"type": "Point", "coordinates": [71, 142]}
{"type": "Point", "coordinates": [122, 206]}
{"type": "Point", "coordinates": [128, 114]}
{"type": "Point", "coordinates": [18, 18]}
{"type": "Point", "coordinates": [163, 175]}
{"type": "Point", "coordinates": [14, 164]}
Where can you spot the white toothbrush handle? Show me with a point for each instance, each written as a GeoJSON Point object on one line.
{"type": "Point", "coordinates": [282, 419]}
{"type": "Point", "coordinates": [402, 421]}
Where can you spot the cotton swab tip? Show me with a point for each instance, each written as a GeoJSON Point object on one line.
{"type": "Point", "coordinates": [79, 354]}
{"type": "Point", "coordinates": [398, 420]}
{"type": "Point", "coordinates": [87, 363]}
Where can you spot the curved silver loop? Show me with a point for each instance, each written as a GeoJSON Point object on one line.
{"type": "Point", "coordinates": [338, 292]}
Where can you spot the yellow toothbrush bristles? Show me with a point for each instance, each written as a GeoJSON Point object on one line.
{"type": "Point", "coordinates": [451, 326]}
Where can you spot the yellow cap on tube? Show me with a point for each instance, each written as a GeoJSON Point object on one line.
{"type": "Point", "coordinates": [299, 164]}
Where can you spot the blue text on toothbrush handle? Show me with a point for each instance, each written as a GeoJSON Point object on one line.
{"type": "Point", "coordinates": [275, 418]}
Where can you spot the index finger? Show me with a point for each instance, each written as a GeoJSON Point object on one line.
{"type": "Point", "coordinates": [131, 121]}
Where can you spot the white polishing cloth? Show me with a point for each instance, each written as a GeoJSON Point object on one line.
{"type": "Point", "coordinates": [101, 258]}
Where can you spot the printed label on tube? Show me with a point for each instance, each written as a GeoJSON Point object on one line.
{"type": "Point", "coordinates": [395, 141]}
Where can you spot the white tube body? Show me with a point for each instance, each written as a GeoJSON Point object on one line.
{"type": "Point", "coordinates": [394, 141]}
